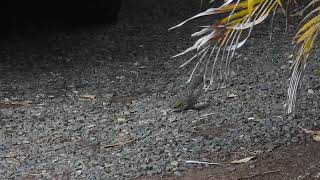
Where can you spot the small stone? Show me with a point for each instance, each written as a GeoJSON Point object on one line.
{"type": "Point", "coordinates": [120, 77]}
{"type": "Point", "coordinates": [174, 163]}
{"type": "Point", "coordinates": [310, 91]}
{"type": "Point", "coordinates": [283, 67]}
{"type": "Point", "coordinates": [78, 172]}
{"type": "Point", "coordinates": [232, 95]}
{"type": "Point", "coordinates": [121, 120]}
{"type": "Point", "coordinates": [172, 119]}
{"type": "Point", "coordinates": [126, 113]}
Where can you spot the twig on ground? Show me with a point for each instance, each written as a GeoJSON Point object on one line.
{"type": "Point", "coordinates": [279, 117]}
{"type": "Point", "coordinates": [210, 114]}
{"type": "Point", "coordinates": [241, 161]}
{"type": "Point", "coordinates": [118, 144]}
{"type": "Point", "coordinates": [206, 115]}
{"type": "Point", "coordinates": [39, 174]}
{"type": "Point", "coordinates": [9, 104]}
{"type": "Point", "coordinates": [258, 174]}
{"type": "Point", "coordinates": [202, 162]}
{"type": "Point", "coordinates": [88, 97]}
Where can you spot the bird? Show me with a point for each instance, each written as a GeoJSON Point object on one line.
{"type": "Point", "coordinates": [188, 100]}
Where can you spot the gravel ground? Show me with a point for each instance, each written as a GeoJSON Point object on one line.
{"type": "Point", "coordinates": [92, 103]}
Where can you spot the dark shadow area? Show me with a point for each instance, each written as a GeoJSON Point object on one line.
{"type": "Point", "coordinates": [34, 17]}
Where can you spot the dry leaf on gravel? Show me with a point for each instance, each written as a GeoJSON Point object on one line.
{"type": "Point", "coordinates": [24, 103]}
{"type": "Point", "coordinates": [88, 96]}
{"type": "Point", "coordinates": [316, 138]}
{"type": "Point", "coordinates": [244, 160]}
{"type": "Point", "coordinates": [315, 134]}
{"type": "Point", "coordinates": [14, 104]}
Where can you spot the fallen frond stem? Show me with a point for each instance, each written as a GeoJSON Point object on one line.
{"type": "Point", "coordinates": [203, 162]}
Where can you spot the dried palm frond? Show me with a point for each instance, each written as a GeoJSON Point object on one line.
{"type": "Point", "coordinates": [218, 41]}
{"type": "Point", "coordinates": [304, 38]}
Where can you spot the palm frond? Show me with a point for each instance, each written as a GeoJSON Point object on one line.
{"type": "Point", "coordinates": [226, 35]}
{"type": "Point", "coordinates": [304, 38]}
{"type": "Point", "coordinates": [219, 40]}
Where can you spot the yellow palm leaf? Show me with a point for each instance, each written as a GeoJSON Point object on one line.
{"type": "Point", "coordinates": [308, 24]}
{"type": "Point", "coordinates": [307, 34]}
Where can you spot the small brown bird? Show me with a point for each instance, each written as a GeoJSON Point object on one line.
{"type": "Point", "coordinates": [189, 98]}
